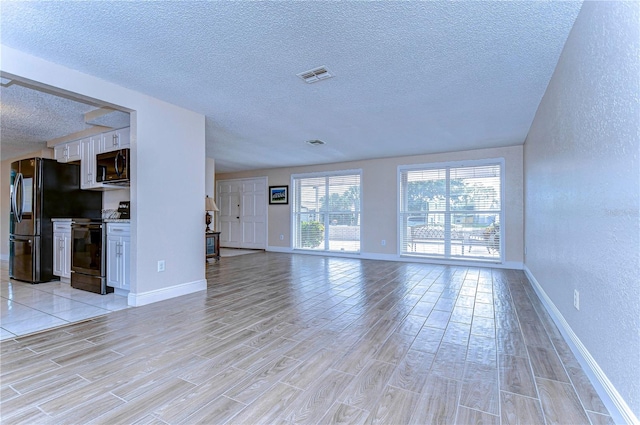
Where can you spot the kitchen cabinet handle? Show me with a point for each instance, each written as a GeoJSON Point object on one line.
{"type": "Point", "coordinates": [114, 140]}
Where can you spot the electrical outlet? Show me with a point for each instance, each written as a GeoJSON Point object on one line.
{"type": "Point", "coordinates": [160, 266]}
{"type": "Point", "coordinates": [576, 299]}
{"type": "Point", "coordinates": [281, 237]}
{"type": "Point", "coordinates": [383, 242]}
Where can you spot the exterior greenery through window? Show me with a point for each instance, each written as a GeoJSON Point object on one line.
{"type": "Point", "coordinates": [452, 211]}
{"type": "Point", "coordinates": [326, 211]}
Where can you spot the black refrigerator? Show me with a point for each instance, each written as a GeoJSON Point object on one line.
{"type": "Point", "coordinates": [42, 189]}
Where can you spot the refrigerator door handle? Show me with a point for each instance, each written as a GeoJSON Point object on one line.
{"type": "Point", "coordinates": [18, 189]}
{"type": "Point", "coordinates": [13, 197]}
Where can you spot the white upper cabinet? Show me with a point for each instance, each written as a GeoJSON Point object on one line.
{"type": "Point", "coordinates": [67, 152]}
{"type": "Point", "coordinates": [114, 140]}
{"type": "Point", "coordinates": [85, 151]}
{"type": "Point", "coordinates": [88, 164]}
{"type": "Point", "coordinates": [90, 148]}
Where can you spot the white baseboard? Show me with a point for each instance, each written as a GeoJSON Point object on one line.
{"type": "Point", "coordinates": [4, 257]}
{"type": "Point", "coordinates": [121, 292]}
{"type": "Point", "coordinates": [513, 265]}
{"type": "Point", "coordinates": [285, 249]}
{"type": "Point", "coordinates": [149, 297]}
{"type": "Point", "coordinates": [618, 409]}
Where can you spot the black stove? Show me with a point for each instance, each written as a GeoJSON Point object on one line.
{"type": "Point", "coordinates": [88, 256]}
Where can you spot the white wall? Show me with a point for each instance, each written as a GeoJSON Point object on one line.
{"type": "Point", "coordinates": [380, 211]}
{"type": "Point", "coordinates": [582, 188]}
{"type": "Point", "coordinates": [111, 198]}
{"type": "Point", "coordinates": [167, 184]}
{"type": "Point", "coordinates": [210, 177]}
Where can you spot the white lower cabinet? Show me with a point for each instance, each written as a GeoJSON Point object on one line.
{"type": "Point", "coordinates": [118, 253]}
{"type": "Point", "coordinates": [62, 250]}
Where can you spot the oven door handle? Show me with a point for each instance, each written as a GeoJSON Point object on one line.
{"type": "Point", "coordinates": [85, 226]}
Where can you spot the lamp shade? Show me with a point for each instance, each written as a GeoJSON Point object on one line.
{"type": "Point", "coordinates": [210, 204]}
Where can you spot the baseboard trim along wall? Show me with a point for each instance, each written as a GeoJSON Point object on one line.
{"type": "Point", "coordinates": [513, 265]}
{"type": "Point", "coordinates": [618, 408]}
{"type": "Point", "coordinates": [4, 257]}
{"type": "Point", "coordinates": [144, 298]}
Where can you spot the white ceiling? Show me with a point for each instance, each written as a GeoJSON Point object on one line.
{"type": "Point", "coordinates": [410, 77]}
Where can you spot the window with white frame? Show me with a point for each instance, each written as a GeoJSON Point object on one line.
{"type": "Point", "coordinates": [452, 210]}
{"type": "Point", "coordinates": [326, 211]}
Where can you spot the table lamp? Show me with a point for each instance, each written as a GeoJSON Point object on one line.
{"type": "Point", "coordinates": [209, 205]}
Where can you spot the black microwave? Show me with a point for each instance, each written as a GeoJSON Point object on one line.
{"type": "Point", "coordinates": [113, 167]}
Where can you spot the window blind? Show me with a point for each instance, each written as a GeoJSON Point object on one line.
{"type": "Point", "coordinates": [451, 211]}
{"type": "Point", "coordinates": [326, 211]}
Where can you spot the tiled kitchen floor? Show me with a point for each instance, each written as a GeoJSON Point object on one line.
{"type": "Point", "coordinates": [27, 308]}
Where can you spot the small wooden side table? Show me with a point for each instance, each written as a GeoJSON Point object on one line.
{"type": "Point", "coordinates": [212, 245]}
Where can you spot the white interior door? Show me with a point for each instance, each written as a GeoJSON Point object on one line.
{"type": "Point", "coordinates": [229, 215]}
{"type": "Point", "coordinates": [243, 213]}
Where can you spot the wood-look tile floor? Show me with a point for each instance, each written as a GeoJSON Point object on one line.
{"type": "Point", "coordinates": [284, 339]}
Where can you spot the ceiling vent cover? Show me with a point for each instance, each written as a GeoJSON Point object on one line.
{"type": "Point", "coordinates": [315, 75]}
{"type": "Point", "coordinates": [315, 142]}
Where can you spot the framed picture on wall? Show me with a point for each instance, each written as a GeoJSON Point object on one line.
{"type": "Point", "coordinates": [279, 195]}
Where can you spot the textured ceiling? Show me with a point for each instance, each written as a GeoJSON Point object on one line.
{"type": "Point", "coordinates": [29, 118]}
{"type": "Point", "coordinates": [410, 77]}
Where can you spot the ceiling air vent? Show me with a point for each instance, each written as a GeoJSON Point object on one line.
{"type": "Point", "coordinates": [315, 142]}
{"type": "Point", "coordinates": [315, 75]}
